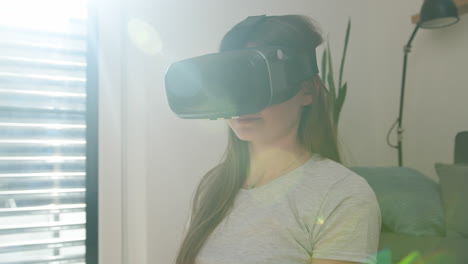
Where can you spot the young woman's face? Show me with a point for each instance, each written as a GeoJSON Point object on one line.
{"type": "Point", "coordinates": [273, 122]}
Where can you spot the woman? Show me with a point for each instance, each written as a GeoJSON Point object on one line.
{"type": "Point", "coordinates": [280, 194]}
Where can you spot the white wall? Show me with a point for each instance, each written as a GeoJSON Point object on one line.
{"type": "Point", "coordinates": [171, 155]}
{"type": "Point", "coordinates": [123, 137]}
{"type": "Point", "coordinates": [436, 105]}
{"type": "Point", "coordinates": [110, 135]}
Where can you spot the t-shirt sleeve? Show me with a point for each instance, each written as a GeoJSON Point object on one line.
{"type": "Point", "coordinates": [348, 223]}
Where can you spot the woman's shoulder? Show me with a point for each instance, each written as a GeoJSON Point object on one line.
{"type": "Point", "coordinates": [328, 184]}
{"type": "Point", "coordinates": [324, 175]}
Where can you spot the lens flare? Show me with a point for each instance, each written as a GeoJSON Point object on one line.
{"type": "Point", "coordinates": [410, 258]}
{"type": "Point", "coordinates": [144, 36]}
{"type": "Point", "coordinates": [320, 220]}
{"type": "Point", "coordinates": [439, 257]}
{"type": "Point", "coordinates": [384, 256]}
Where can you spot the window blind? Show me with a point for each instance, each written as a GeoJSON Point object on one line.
{"type": "Point", "coordinates": [43, 141]}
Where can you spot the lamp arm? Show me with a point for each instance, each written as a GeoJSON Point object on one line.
{"type": "Point", "coordinates": [407, 50]}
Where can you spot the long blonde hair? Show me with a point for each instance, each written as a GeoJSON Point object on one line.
{"type": "Point", "coordinates": [216, 191]}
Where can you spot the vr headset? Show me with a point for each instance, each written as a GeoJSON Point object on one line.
{"type": "Point", "coordinates": [239, 82]}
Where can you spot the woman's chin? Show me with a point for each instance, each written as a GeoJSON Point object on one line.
{"type": "Point", "coordinates": [247, 132]}
{"type": "Point", "coordinates": [245, 136]}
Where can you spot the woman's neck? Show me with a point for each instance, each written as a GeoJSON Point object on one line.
{"type": "Point", "coordinates": [273, 158]}
{"type": "Point", "coordinates": [278, 156]}
{"type": "Point", "coordinates": [275, 149]}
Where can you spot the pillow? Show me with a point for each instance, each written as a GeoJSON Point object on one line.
{"type": "Point", "coordinates": [409, 201]}
{"type": "Point", "coordinates": [453, 180]}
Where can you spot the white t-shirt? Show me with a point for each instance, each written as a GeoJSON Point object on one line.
{"type": "Point", "coordinates": [319, 210]}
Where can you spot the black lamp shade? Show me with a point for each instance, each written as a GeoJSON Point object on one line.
{"type": "Point", "coordinates": [438, 13]}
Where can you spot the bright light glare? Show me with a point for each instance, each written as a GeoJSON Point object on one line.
{"type": "Point", "coordinates": [43, 142]}
{"type": "Point", "coordinates": [45, 158]}
{"type": "Point", "coordinates": [48, 15]}
{"type": "Point", "coordinates": [43, 93]}
{"type": "Point", "coordinates": [45, 174]}
{"type": "Point", "coordinates": [144, 36]}
{"type": "Point", "coordinates": [48, 126]}
{"type": "Point", "coordinates": [41, 76]}
{"type": "Point", "coordinates": [45, 61]}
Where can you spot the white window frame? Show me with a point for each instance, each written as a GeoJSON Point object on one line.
{"type": "Point", "coordinates": [122, 145]}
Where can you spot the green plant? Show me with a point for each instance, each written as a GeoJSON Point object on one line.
{"type": "Point", "coordinates": [337, 93]}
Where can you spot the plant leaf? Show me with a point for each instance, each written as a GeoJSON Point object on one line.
{"type": "Point", "coordinates": [348, 30]}
{"type": "Point", "coordinates": [340, 100]}
{"type": "Point", "coordinates": [331, 81]}
{"type": "Point", "coordinates": [324, 64]}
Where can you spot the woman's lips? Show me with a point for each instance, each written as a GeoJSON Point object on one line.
{"type": "Point", "coordinates": [247, 120]}
{"type": "Point", "coordinates": [245, 117]}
